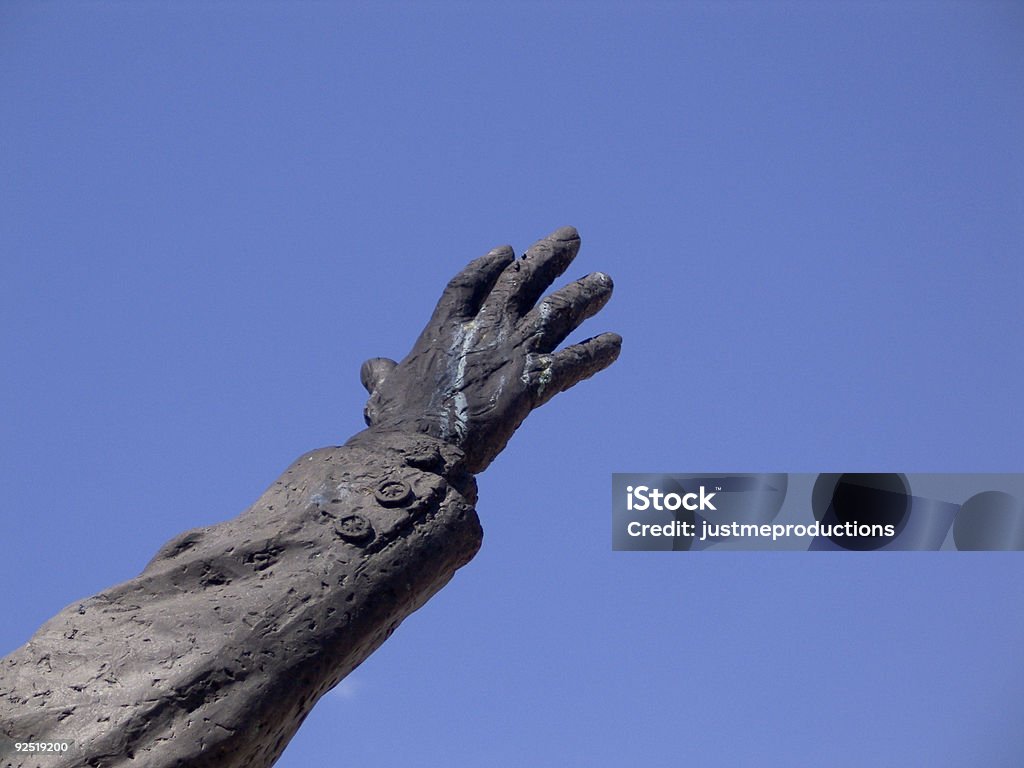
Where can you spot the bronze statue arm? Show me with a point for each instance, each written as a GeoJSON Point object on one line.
{"type": "Point", "coordinates": [217, 651]}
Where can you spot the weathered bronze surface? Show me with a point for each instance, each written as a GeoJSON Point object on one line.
{"type": "Point", "coordinates": [217, 651]}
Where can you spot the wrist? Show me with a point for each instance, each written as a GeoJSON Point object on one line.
{"type": "Point", "coordinates": [407, 455]}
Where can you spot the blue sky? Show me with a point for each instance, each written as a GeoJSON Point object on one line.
{"type": "Point", "coordinates": [211, 213]}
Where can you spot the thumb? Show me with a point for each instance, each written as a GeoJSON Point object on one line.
{"type": "Point", "coordinates": [374, 371]}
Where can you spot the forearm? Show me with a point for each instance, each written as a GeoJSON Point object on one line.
{"type": "Point", "coordinates": [215, 653]}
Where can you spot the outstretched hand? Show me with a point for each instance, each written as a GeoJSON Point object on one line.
{"type": "Point", "coordinates": [487, 357]}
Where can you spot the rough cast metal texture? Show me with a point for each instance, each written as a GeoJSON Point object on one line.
{"type": "Point", "coordinates": [217, 651]}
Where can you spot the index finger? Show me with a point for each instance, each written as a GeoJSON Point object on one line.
{"type": "Point", "coordinates": [466, 291]}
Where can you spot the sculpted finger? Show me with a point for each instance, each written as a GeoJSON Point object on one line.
{"type": "Point", "coordinates": [523, 281]}
{"type": "Point", "coordinates": [558, 315]}
{"type": "Point", "coordinates": [549, 374]}
{"type": "Point", "coordinates": [466, 291]}
{"type": "Point", "coordinates": [374, 371]}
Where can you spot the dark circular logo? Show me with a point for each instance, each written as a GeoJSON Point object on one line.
{"type": "Point", "coordinates": [852, 500]}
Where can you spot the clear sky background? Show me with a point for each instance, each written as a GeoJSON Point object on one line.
{"type": "Point", "coordinates": [211, 213]}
